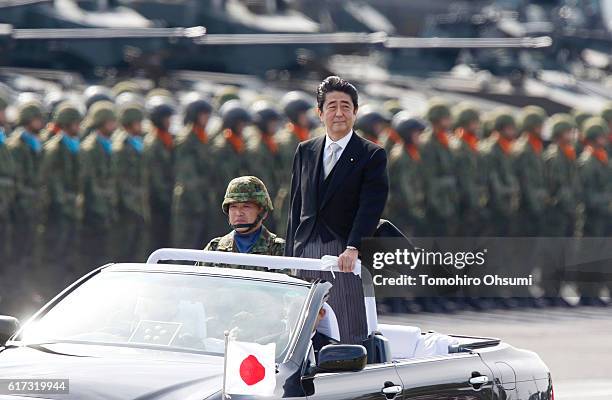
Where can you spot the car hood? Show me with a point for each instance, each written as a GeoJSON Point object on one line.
{"type": "Point", "coordinates": [109, 372]}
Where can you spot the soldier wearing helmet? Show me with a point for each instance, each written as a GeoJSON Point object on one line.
{"type": "Point", "coordinates": [606, 114]}
{"type": "Point", "coordinates": [27, 153]}
{"type": "Point", "coordinates": [247, 204]}
{"type": "Point", "coordinates": [504, 190]}
{"type": "Point", "coordinates": [529, 167]}
{"type": "Point", "coordinates": [8, 173]}
{"type": "Point", "coordinates": [159, 154]}
{"type": "Point", "coordinates": [263, 149]}
{"type": "Point", "coordinates": [98, 185]}
{"type": "Point", "coordinates": [561, 174]}
{"type": "Point", "coordinates": [406, 203]}
{"type": "Point", "coordinates": [62, 184]}
{"type": "Point", "coordinates": [229, 148]}
{"type": "Point", "coordinates": [439, 169]}
{"type": "Point", "coordinates": [128, 168]}
{"type": "Point", "coordinates": [471, 180]}
{"type": "Point", "coordinates": [595, 177]}
{"type": "Point", "coordinates": [192, 202]}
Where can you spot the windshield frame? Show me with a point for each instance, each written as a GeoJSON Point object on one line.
{"type": "Point", "coordinates": [16, 339]}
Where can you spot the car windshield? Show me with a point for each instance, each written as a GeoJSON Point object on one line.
{"type": "Point", "coordinates": [172, 311]}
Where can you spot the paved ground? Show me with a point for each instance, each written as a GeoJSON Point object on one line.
{"type": "Point", "coordinates": [576, 344]}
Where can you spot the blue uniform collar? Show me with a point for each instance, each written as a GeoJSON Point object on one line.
{"type": "Point", "coordinates": [2, 136]}
{"type": "Point", "coordinates": [105, 142]}
{"type": "Point", "coordinates": [32, 141]}
{"type": "Point", "coordinates": [246, 242]}
{"type": "Point", "coordinates": [71, 143]}
{"type": "Point", "coordinates": [136, 143]}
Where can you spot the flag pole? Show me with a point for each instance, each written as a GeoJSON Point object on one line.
{"type": "Point", "coordinates": [223, 394]}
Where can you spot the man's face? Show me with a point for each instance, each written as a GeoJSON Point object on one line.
{"type": "Point", "coordinates": [473, 126]}
{"type": "Point", "coordinates": [601, 141]}
{"type": "Point", "coordinates": [244, 213]}
{"type": "Point", "coordinates": [202, 119]}
{"type": "Point", "coordinates": [415, 136]}
{"type": "Point", "coordinates": [72, 129]}
{"type": "Point", "coordinates": [135, 128]}
{"type": "Point", "coordinates": [166, 123]}
{"type": "Point", "coordinates": [35, 125]}
{"type": "Point", "coordinates": [108, 127]}
{"type": "Point", "coordinates": [443, 124]}
{"type": "Point", "coordinates": [2, 116]}
{"type": "Point", "coordinates": [508, 132]}
{"type": "Point", "coordinates": [303, 121]}
{"type": "Point", "coordinates": [338, 113]}
{"type": "Point", "coordinates": [566, 137]}
{"type": "Point", "coordinates": [272, 126]}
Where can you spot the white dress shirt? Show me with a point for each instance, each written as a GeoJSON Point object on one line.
{"type": "Point", "coordinates": [342, 143]}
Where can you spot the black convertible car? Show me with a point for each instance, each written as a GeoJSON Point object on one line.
{"type": "Point", "coordinates": [156, 331]}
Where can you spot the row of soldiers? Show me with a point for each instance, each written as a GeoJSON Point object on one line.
{"type": "Point", "coordinates": [496, 176]}
{"type": "Point", "coordinates": [117, 182]}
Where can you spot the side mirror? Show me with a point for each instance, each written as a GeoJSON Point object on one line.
{"type": "Point", "coordinates": [8, 327]}
{"type": "Point", "coordinates": [342, 358]}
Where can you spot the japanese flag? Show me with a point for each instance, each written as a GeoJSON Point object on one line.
{"type": "Point", "coordinates": [250, 368]}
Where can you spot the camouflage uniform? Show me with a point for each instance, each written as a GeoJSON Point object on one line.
{"type": "Point", "coordinates": [192, 203]}
{"type": "Point", "coordinates": [439, 172]}
{"type": "Point", "coordinates": [62, 186]}
{"type": "Point", "coordinates": [7, 192]}
{"type": "Point", "coordinates": [596, 180]}
{"type": "Point", "coordinates": [562, 182]}
{"type": "Point", "coordinates": [504, 190]}
{"type": "Point", "coordinates": [229, 149]}
{"type": "Point", "coordinates": [471, 177]}
{"type": "Point", "coordinates": [28, 185]}
{"type": "Point", "coordinates": [406, 204]}
{"type": "Point", "coordinates": [248, 189]}
{"type": "Point", "coordinates": [128, 168]}
{"type": "Point", "coordinates": [99, 191]}
{"type": "Point", "coordinates": [159, 155]}
{"type": "Point", "coordinates": [529, 168]}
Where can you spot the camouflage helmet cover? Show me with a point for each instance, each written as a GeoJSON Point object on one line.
{"type": "Point", "coordinates": [247, 189]}
{"type": "Point", "coordinates": [561, 123]}
{"type": "Point", "coordinates": [437, 110]}
{"type": "Point", "coordinates": [29, 111]}
{"type": "Point", "coordinates": [130, 113]}
{"type": "Point", "coordinates": [66, 113]}
{"type": "Point", "coordinates": [532, 117]}
{"type": "Point", "coordinates": [464, 114]}
{"type": "Point", "coordinates": [595, 127]}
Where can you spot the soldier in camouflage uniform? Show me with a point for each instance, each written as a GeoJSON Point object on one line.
{"type": "Point", "coordinates": [471, 176]}
{"type": "Point", "coordinates": [263, 150]}
{"type": "Point", "coordinates": [580, 117]}
{"type": "Point", "coordinates": [128, 169]}
{"type": "Point", "coordinates": [247, 204]}
{"type": "Point", "coordinates": [99, 189]}
{"type": "Point", "coordinates": [7, 187]}
{"type": "Point", "coordinates": [194, 171]}
{"type": "Point", "coordinates": [439, 171]}
{"type": "Point", "coordinates": [529, 168]}
{"type": "Point", "coordinates": [159, 160]}
{"type": "Point", "coordinates": [406, 204]}
{"type": "Point", "coordinates": [295, 107]}
{"type": "Point", "coordinates": [62, 186]}
{"type": "Point", "coordinates": [27, 152]}
{"type": "Point", "coordinates": [504, 190]}
{"type": "Point", "coordinates": [229, 151]}
{"type": "Point", "coordinates": [562, 181]}
{"type": "Point", "coordinates": [94, 94]}
{"type": "Point", "coordinates": [372, 125]}
{"type": "Point", "coordinates": [606, 114]}
{"type": "Point", "coordinates": [596, 178]}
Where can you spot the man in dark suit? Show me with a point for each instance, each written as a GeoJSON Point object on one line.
{"type": "Point", "coordinates": [339, 188]}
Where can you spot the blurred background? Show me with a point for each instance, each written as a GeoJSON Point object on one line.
{"type": "Point", "coordinates": [122, 121]}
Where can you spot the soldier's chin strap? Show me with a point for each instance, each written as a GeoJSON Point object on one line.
{"type": "Point", "coordinates": [252, 225]}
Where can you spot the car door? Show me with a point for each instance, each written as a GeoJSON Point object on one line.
{"type": "Point", "coordinates": [452, 377]}
{"type": "Point", "coordinates": [368, 383]}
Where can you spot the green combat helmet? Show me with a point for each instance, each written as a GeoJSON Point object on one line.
{"type": "Point", "coordinates": [561, 123]}
{"type": "Point", "coordinates": [247, 189]}
{"type": "Point", "coordinates": [130, 113]}
{"type": "Point", "coordinates": [464, 114]}
{"type": "Point", "coordinates": [66, 113]}
{"type": "Point", "coordinates": [606, 113]}
{"type": "Point", "coordinates": [29, 111]}
{"type": "Point", "coordinates": [437, 110]}
{"type": "Point", "coordinates": [594, 127]}
{"type": "Point", "coordinates": [504, 119]}
{"type": "Point", "coordinates": [101, 112]}
{"type": "Point", "coordinates": [531, 117]}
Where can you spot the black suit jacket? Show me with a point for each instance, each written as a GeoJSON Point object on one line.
{"type": "Point", "coordinates": [350, 203]}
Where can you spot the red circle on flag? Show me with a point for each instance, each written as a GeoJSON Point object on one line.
{"type": "Point", "coordinates": [251, 370]}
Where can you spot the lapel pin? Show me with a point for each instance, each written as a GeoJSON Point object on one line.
{"type": "Point", "coordinates": [352, 159]}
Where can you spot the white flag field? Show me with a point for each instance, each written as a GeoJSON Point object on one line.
{"type": "Point", "coordinates": [250, 368]}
